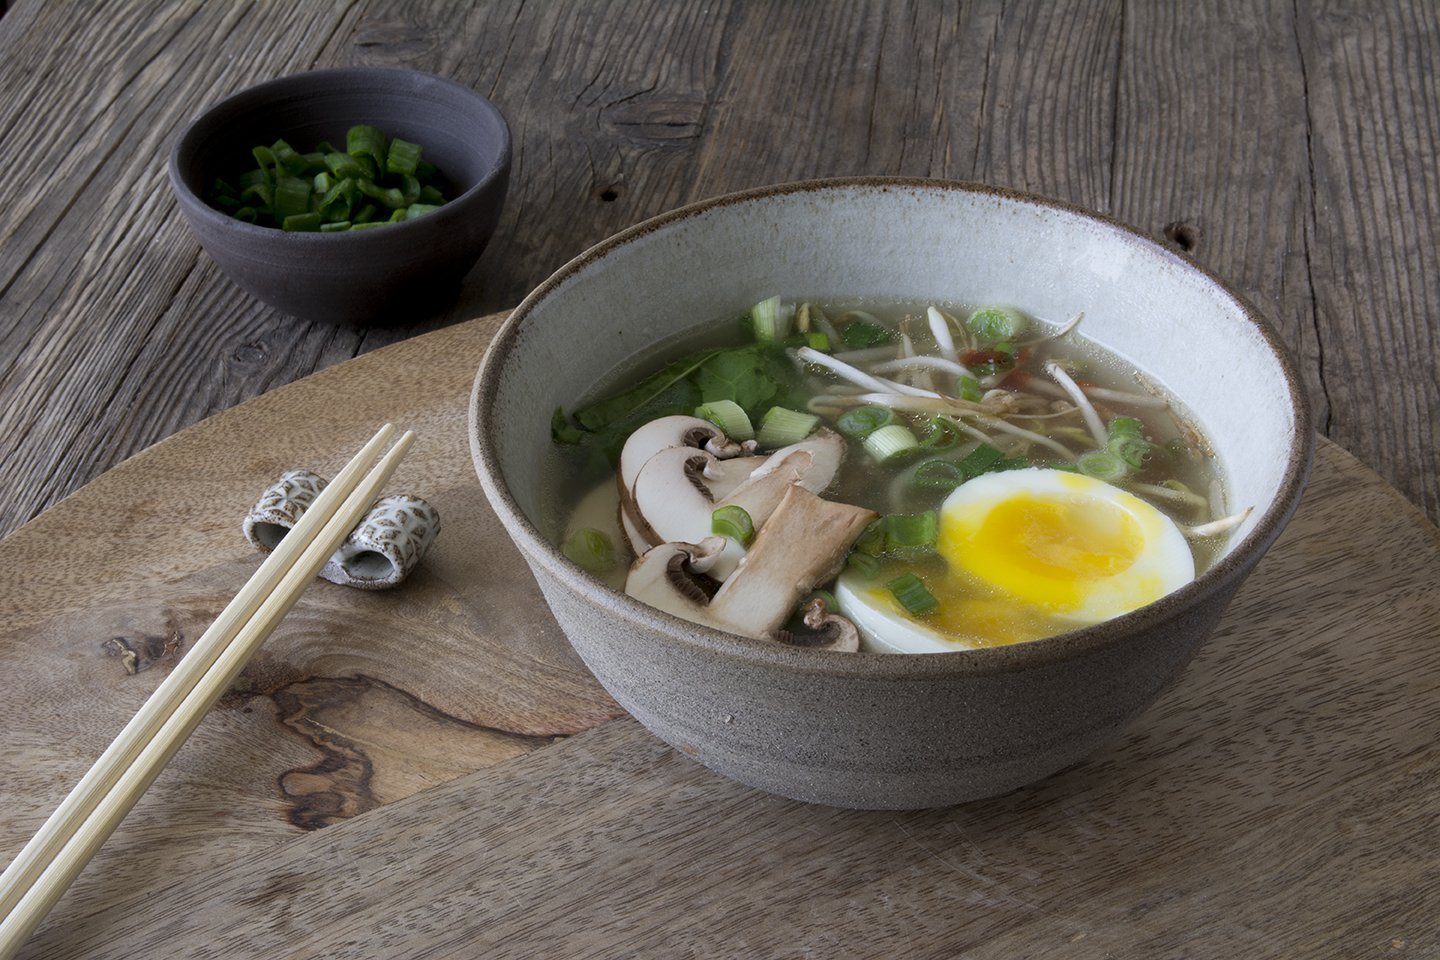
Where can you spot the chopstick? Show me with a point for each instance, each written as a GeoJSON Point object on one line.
{"type": "Point", "coordinates": [49, 863]}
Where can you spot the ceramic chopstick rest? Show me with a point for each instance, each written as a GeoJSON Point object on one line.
{"type": "Point", "coordinates": [387, 544]}
{"type": "Point", "coordinates": [380, 552]}
{"type": "Point", "coordinates": [280, 507]}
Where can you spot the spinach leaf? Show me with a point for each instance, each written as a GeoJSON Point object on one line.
{"type": "Point", "coordinates": [736, 375]}
{"type": "Point", "coordinates": [610, 411]}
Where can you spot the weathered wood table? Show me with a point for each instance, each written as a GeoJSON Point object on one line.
{"type": "Point", "coordinates": [476, 793]}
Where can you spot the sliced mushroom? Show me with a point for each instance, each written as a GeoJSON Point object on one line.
{"type": "Point", "coordinates": [667, 432]}
{"type": "Point", "coordinates": [826, 449]}
{"type": "Point", "coordinates": [638, 539]}
{"type": "Point", "coordinates": [731, 466]}
{"type": "Point", "coordinates": [804, 543]}
{"type": "Point", "coordinates": [672, 577]}
{"type": "Point", "coordinates": [673, 501]}
{"type": "Point", "coordinates": [762, 492]}
{"type": "Point", "coordinates": [831, 631]}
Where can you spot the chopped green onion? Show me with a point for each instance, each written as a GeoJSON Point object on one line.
{"type": "Point", "coordinates": [863, 564]}
{"type": "Point", "coordinates": [981, 460]}
{"type": "Point", "coordinates": [1133, 450]}
{"type": "Point", "coordinates": [1102, 465]}
{"type": "Point", "coordinates": [287, 183]}
{"type": "Point", "coordinates": [860, 422]}
{"type": "Point", "coordinates": [770, 320]}
{"type": "Point", "coordinates": [403, 157]}
{"type": "Point", "coordinates": [781, 427]}
{"type": "Point", "coordinates": [363, 140]}
{"type": "Point", "coordinates": [387, 196]}
{"type": "Point", "coordinates": [941, 433]}
{"type": "Point", "coordinates": [906, 530]}
{"type": "Point", "coordinates": [339, 226]}
{"type": "Point", "coordinates": [891, 442]}
{"type": "Point", "coordinates": [301, 223]}
{"type": "Point", "coordinates": [733, 522]}
{"type": "Point", "coordinates": [292, 196]}
{"type": "Point", "coordinates": [1126, 427]}
{"type": "Point", "coordinates": [591, 549]}
{"type": "Point", "coordinates": [251, 178]}
{"type": "Point", "coordinates": [912, 594]}
{"type": "Point", "coordinates": [871, 541]}
{"type": "Point", "coordinates": [729, 416]}
{"type": "Point", "coordinates": [995, 324]}
{"type": "Point", "coordinates": [816, 340]}
{"type": "Point", "coordinates": [970, 389]}
{"type": "Point", "coordinates": [859, 334]}
{"type": "Point", "coordinates": [1127, 441]}
{"type": "Point", "coordinates": [265, 160]}
{"type": "Point", "coordinates": [342, 166]}
{"type": "Point", "coordinates": [409, 188]}
{"type": "Point", "coordinates": [938, 475]}
{"type": "Point", "coordinates": [286, 156]}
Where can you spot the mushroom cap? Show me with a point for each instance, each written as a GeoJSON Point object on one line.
{"type": "Point", "coordinates": [832, 631]}
{"type": "Point", "coordinates": [666, 432]}
{"type": "Point", "coordinates": [671, 577]}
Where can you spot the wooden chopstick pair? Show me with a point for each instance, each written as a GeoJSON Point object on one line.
{"type": "Point", "coordinates": [54, 857]}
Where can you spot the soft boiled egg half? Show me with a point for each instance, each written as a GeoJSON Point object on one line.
{"type": "Point", "coordinates": [1027, 554]}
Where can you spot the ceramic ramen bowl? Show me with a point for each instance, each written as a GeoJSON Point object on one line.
{"type": "Point", "coordinates": [872, 730]}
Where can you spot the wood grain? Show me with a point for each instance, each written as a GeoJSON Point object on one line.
{"type": "Point", "coordinates": [1285, 146]}
{"type": "Point", "coordinates": [357, 700]}
{"type": "Point", "coordinates": [1277, 802]}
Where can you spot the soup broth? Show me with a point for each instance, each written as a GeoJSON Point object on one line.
{"type": "Point", "coordinates": [1024, 480]}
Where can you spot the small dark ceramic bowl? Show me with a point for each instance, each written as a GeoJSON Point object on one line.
{"type": "Point", "coordinates": [369, 276]}
{"type": "Point", "coordinates": [875, 730]}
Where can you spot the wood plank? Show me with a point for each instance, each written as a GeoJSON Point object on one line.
{"type": "Point", "coordinates": [1278, 802]}
{"type": "Point", "coordinates": [116, 331]}
{"type": "Point", "coordinates": [1373, 124]}
{"type": "Point", "coordinates": [357, 700]}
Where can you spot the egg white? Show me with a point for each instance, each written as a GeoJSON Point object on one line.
{"type": "Point", "coordinates": [1031, 553]}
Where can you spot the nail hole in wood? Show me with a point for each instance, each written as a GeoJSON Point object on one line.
{"type": "Point", "coordinates": [1184, 235]}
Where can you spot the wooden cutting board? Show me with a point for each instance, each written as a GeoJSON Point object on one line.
{"type": "Point", "coordinates": [477, 798]}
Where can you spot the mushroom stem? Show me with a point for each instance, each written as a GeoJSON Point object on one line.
{"type": "Point", "coordinates": [804, 543]}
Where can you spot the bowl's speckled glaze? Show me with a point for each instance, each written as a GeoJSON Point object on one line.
{"type": "Point", "coordinates": [367, 276]}
{"type": "Point", "coordinates": [870, 730]}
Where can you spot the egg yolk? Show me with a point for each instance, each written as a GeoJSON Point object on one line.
{"type": "Point", "coordinates": [1029, 567]}
{"type": "Point", "coordinates": [1046, 551]}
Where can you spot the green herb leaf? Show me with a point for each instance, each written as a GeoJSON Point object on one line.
{"type": "Point", "coordinates": [735, 375]}
{"type": "Point", "coordinates": [652, 391]}
{"type": "Point", "coordinates": [562, 431]}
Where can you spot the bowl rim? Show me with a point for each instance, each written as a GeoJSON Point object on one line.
{"type": "Point", "coordinates": [1049, 651]}
{"type": "Point", "coordinates": [254, 96]}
